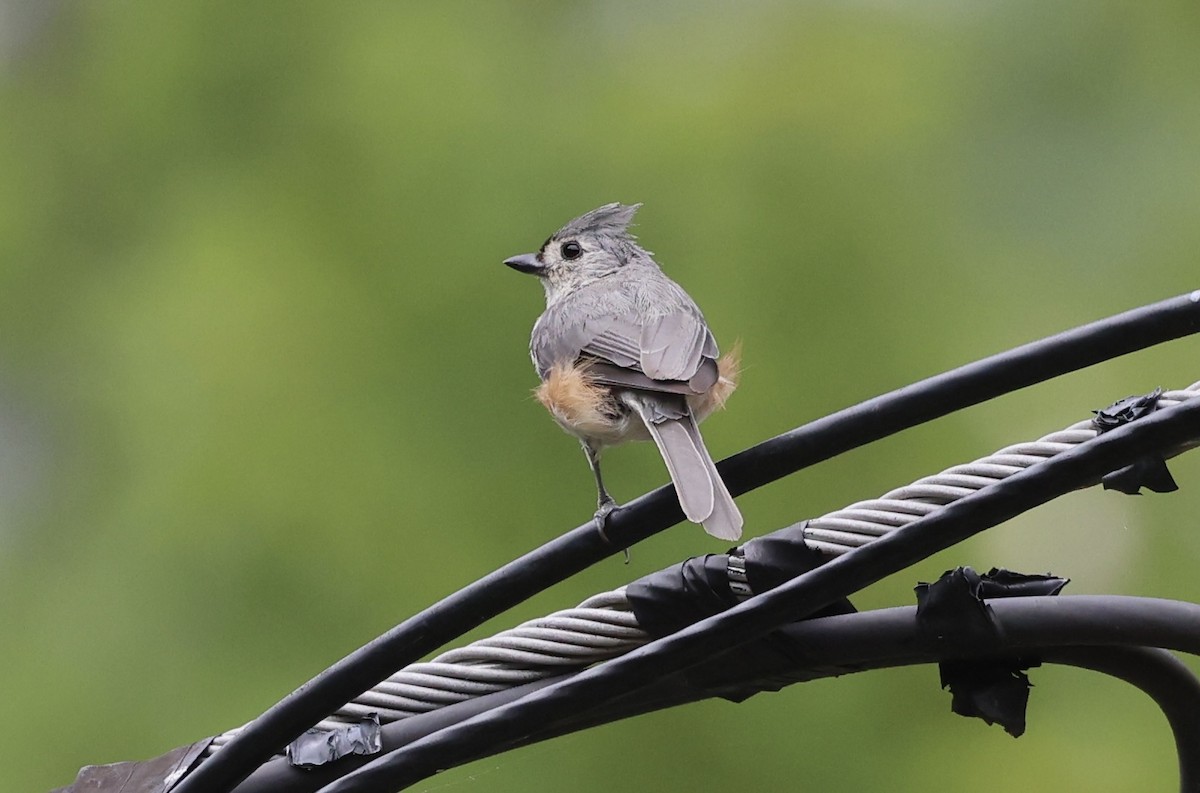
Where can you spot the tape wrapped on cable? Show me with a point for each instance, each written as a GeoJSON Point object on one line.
{"type": "Point", "coordinates": [697, 588]}
{"type": "Point", "coordinates": [994, 689]}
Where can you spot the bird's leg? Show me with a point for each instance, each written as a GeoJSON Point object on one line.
{"type": "Point", "coordinates": [604, 502]}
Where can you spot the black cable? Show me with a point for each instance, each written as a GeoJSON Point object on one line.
{"type": "Point", "coordinates": [278, 775]}
{"type": "Point", "coordinates": [581, 547]}
{"type": "Point", "coordinates": [1113, 634]}
{"type": "Point", "coordinates": [839, 578]}
{"type": "Point", "coordinates": [1105, 633]}
{"type": "Point", "coordinates": [1117, 635]}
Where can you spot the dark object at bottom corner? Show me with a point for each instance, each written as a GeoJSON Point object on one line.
{"type": "Point", "coordinates": [996, 691]}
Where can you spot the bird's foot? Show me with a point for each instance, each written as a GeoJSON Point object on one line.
{"type": "Point", "coordinates": [603, 510]}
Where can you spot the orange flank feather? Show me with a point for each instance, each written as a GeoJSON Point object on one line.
{"type": "Point", "coordinates": [575, 401]}
{"type": "Point", "coordinates": [729, 370]}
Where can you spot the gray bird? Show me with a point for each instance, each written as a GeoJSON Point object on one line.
{"type": "Point", "coordinates": [624, 354]}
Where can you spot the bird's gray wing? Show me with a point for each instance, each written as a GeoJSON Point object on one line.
{"type": "Point", "coordinates": [670, 346]}
{"type": "Point", "coordinates": [632, 378]}
{"type": "Point", "coordinates": [673, 352]}
{"type": "Point", "coordinates": [617, 340]}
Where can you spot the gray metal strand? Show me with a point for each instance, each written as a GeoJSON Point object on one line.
{"type": "Point", "coordinates": [842, 531]}
{"type": "Point", "coordinates": [601, 627]}
{"type": "Point", "coordinates": [478, 672]}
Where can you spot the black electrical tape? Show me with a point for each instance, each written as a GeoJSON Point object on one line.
{"type": "Point", "coordinates": [993, 689]}
{"type": "Point", "coordinates": [1001, 583]}
{"type": "Point", "coordinates": [317, 747]}
{"type": "Point", "coordinates": [681, 594]}
{"type": "Point", "coordinates": [952, 606]}
{"type": "Point", "coordinates": [670, 599]}
{"type": "Point", "coordinates": [996, 691]}
{"type": "Point", "coordinates": [955, 602]}
{"type": "Point", "coordinates": [1125, 410]}
{"type": "Point", "coordinates": [782, 555]}
{"type": "Point", "coordinates": [1150, 472]}
{"type": "Point", "coordinates": [138, 776]}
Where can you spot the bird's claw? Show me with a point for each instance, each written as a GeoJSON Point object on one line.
{"type": "Point", "coordinates": [603, 510]}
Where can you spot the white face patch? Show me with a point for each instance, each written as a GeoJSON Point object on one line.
{"type": "Point", "coordinates": [564, 276]}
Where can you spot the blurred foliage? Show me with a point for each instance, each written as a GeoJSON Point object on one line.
{"type": "Point", "coordinates": [264, 389]}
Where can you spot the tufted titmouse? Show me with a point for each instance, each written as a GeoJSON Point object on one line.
{"type": "Point", "coordinates": [624, 354]}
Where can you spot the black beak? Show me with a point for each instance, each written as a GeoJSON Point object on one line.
{"type": "Point", "coordinates": [526, 263]}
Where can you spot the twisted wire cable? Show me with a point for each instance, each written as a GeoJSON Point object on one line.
{"type": "Point", "coordinates": [858, 524]}
{"type": "Point", "coordinates": [601, 627]}
{"type": "Point", "coordinates": [604, 626]}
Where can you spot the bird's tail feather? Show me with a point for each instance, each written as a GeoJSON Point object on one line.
{"type": "Point", "coordinates": [725, 521]}
{"type": "Point", "coordinates": [702, 495]}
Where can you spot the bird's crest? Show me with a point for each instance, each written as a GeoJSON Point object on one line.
{"type": "Point", "coordinates": [608, 220]}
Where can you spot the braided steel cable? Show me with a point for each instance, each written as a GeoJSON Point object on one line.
{"type": "Point", "coordinates": [601, 627]}
{"type": "Point", "coordinates": [604, 626]}
{"type": "Point", "coordinates": [865, 521]}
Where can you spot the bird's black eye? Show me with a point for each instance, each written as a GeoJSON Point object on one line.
{"type": "Point", "coordinates": [571, 250]}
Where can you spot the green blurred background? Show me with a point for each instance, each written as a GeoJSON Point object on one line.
{"type": "Point", "coordinates": [264, 388]}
